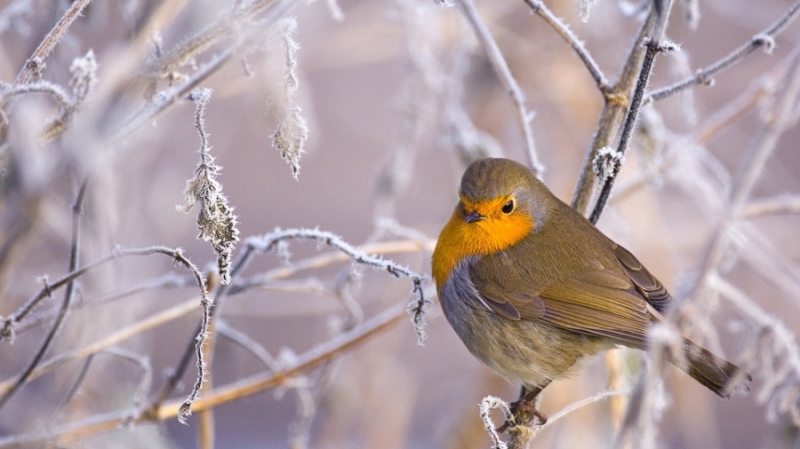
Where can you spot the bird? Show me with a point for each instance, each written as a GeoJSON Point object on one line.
{"type": "Point", "coordinates": [532, 287]}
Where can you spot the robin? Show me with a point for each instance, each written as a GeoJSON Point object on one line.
{"type": "Point", "coordinates": [531, 286]}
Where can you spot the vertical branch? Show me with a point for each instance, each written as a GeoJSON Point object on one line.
{"type": "Point", "coordinates": [506, 78]}
{"type": "Point", "coordinates": [77, 209]}
{"type": "Point", "coordinates": [616, 104]}
{"type": "Point", "coordinates": [654, 46]}
{"type": "Point", "coordinates": [205, 428]}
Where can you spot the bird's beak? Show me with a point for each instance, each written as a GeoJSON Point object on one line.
{"type": "Point", "coordinates": [473, 216]}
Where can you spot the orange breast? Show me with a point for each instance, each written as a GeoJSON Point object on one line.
{"type": "Point", "coordinates": [459, 239]}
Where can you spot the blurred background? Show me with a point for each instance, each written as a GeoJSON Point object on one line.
{"type": "Point", "coordinates": [398, 96]}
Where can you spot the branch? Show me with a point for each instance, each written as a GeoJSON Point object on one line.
{"type": "Point", "coordinates": [765, 39]}
{"type": "Point", "coordinates": [782, 204]}
{"type": "Point", "coordinates": [654, 46]}
{"type": "Point", "coordinates": [506, 78]}
{"type": "Point", "coordinates": [416, 308]}
{"type": "Point", "coordinates": [223, 395]}
{"type": "Point", "coordinates": [35, 64]}
{"type": "Point", "coordinates": [616, 105]}
{"type": "Point", "coordinates": [164, 317]}
{"type": "Point", "coordinates": [77, 209]}
{"type": "Point", "coordinates": [541, 10]}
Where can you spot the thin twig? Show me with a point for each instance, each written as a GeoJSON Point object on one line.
{"type": "Point", "coordinates": [322, 260]}
{"type": "Point", "coordinates": [35, 63]}
{"type": "Point", "coordinates": [237, 390]}
{"type": "Point", "coordinates": [250, 345]}
{"type": "Point", "coordinates": [583, 403]}
{"type": "Point", "coordinates": [167, 97]}
{"type": "Point", "coordinates": [239, 21]}
{"type": "Point", "coordinates": [611, 118]}
{"type": "Point", "coordinates": [765, 39]}
{"type": "Point", "coordinates": [510, 85]}
{"type": "Point", "coordinates": [171, 280]}
{"type": "Point", "coordinates": [133, 330]}
{"type": "Point", "coordinates": [783, 204]}
{"type": "Point", "coordinates": [654, 46]}
{"type": "Point", "coordinates": [77, 210]}
{"type": "Point", "coordinates": [541, 10]}
{"type": "Point", "coordinates": [416, 308]}
{"type": "Point", "coordinates": [6, 332]}
{"type": "Point", "coordinates": [243, 261]}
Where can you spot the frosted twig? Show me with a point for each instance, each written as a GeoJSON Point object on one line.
{"type": "Point", "coordinates": [165, 98]}
{"type": "Point", "coordinates": [216, 221]}
{"type": "Point", "coordinates": [416, 308]}
{"type": "Point", "coordinates": [57, 92]}
{"type": "Point", "coordinates": [35, 63]}
{"type": "Point", "coordinates": [764, 39]}
{"type": "Point", "coordinates": [171, 280]}
{"type": "Point", "coordinates": [292, 132]}
{"type": "Point", "coordinates": [487, 404]}
{"type": "Point", "coordinates": [540, 9]}
{"type": "Point", "coordinates": [784, 349]}
{"type": "Point", "coordinates": [223, 395]}
{"type": "Point", "coordinates": [654, 46]}
{"type": "Point", "coordinates": [77, 210]}
{"type": "Point", "coordinates": [83, 82]}
{"type": "Point", "coordinates": [242, 21]}
{"type": "Point", "coordinates": [503, 72]}
{"type": "Point", "coordinates": [322, 260]}
{"type": "Point", "coordinates": [611, 119]}
{"type": "Point", "coordinates": [601, 396]}
{"type": "Point", "coordinates": [121, 335]}
{"type": "Point", "coordinates": [6, 332]}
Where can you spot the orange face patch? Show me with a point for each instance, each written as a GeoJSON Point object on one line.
{"type": "Point", "coordinates": [496, 232]}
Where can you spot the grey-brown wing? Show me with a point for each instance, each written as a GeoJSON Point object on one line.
{"type": "Point", "coordinates": [646, 284]}
{"type": "Point", "coordinates": [597, 302]}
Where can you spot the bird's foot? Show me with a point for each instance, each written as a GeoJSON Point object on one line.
{"type": "Point", "coordinates": [521, 411]}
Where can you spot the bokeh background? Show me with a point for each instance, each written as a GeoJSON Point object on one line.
{"type": "Point", "coordinates": [397, 95]}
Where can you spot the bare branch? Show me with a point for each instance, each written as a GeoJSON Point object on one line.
{"type": "Point", "coordinates": [616, 106]}
{"type": "Point", "coordinates": [77, 210]}
{"type": "Point", "coordinates": [540, 9]}
{"type": "Point", "coordinates": [782, 204]}
{"type": "Point", "coordinates": [35, 63]}
{"type": "Point", "coordinates": [416, 308]}
{"type": "Point", "coordinates": [223, 395]}
{"type": "Point", "coordinates": [654, 46]}
{"type": "Point", "coordinates": [765, 39]}
{"type": "Point", "coordinates": [506, 78]}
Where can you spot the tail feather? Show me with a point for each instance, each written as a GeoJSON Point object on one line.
{"type": "Point", "coordinates": [717, 374]}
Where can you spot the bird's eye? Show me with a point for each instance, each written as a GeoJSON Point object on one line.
{"type": "Point", "coordinates": [508, 207]}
